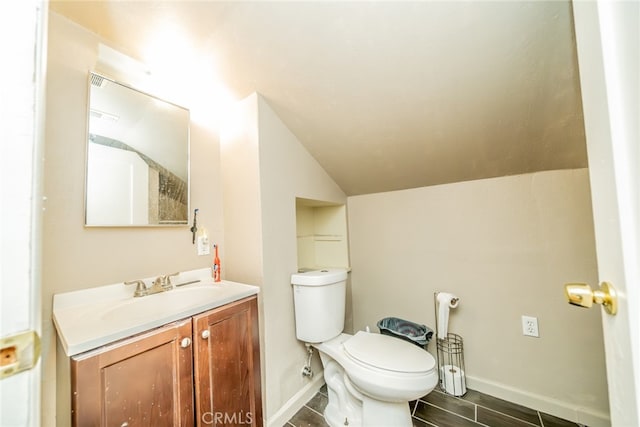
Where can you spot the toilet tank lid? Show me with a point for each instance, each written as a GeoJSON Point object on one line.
{"type": "Point", "coordinates": [322, 277]}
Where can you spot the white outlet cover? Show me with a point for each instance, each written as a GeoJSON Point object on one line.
{"type": "Point", "coordinates": [530, 326]}
{"type": "Point", "coordinates": [203, 245]}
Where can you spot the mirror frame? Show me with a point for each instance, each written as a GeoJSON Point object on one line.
{"type": "Point", "coordinates": [166, 223]}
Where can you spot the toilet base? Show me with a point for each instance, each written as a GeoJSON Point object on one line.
{"type": "Point", "coordinates": [387, 414]}
{"type": "Point", "coordinates": [342, 408]}
{"type": "Point", "coordinates": [347, 406]}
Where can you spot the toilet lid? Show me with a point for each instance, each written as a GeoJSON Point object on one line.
{"type": "Point", "coordinates": [385, 352]}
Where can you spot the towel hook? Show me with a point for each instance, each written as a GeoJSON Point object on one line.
{"type": "Point", "coordinates": [194, 228]}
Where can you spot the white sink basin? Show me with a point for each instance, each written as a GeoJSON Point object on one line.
{"type": "Point", "coordinates": [176, 300]}
{"type": "Point", "coordinates": [93, 317]}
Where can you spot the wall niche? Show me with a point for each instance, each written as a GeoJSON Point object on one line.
{"type": "Point", "coordinates": [321, 229]}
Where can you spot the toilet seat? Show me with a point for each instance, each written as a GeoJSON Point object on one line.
{"type": "Point", "coordinates": [383, 352]}
{"type": "Point", "coordinates": [365, 358]}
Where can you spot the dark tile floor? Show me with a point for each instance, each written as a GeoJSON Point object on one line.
{"type": "Point", "coordinates": [438, 409]}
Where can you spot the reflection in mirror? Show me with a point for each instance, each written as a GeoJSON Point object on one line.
{"type": "Point", "coordinates": [137, 158]}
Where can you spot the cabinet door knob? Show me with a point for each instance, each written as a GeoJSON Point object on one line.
{"type": "Point", "coordinates": [205, 334]}
{"type": "Point", "coordinates": [186, 342]}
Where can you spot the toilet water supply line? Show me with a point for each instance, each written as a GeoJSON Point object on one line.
{"type": "Point", "coordinates": [306, 371]}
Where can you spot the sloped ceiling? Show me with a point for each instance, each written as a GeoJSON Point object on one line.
{"type": "Point", "coordinates": [387, 95]}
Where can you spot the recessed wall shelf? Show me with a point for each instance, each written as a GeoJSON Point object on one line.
{"type": "Point", "coordinates": [321, 234]}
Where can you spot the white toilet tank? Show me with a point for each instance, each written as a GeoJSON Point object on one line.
{"type": "Point", "coordinates": [319, 301]}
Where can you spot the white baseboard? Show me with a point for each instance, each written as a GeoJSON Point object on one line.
{"type": "Point", "coordinates": [297, 401]}
{"type": "Point", "coordinates": [567, 411]}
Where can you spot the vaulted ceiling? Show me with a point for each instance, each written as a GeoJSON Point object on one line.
{"type": "Point", "coordinates": [386, 95]}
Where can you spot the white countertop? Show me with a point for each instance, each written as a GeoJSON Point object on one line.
{"type": "Point", "coordinates": [90, 318]}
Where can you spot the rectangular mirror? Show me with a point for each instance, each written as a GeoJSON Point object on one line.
{"type": "Point", "coordinates": [137, 158]}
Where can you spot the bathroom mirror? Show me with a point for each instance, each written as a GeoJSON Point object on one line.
{"type": "Point", "coordinates": [137, 158]}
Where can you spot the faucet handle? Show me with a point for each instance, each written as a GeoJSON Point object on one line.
{"type": "Point", "coordinates": [160, 282]}
{"type": "Point", "coordinates": [141, 288]}
{"type": "Point", "coordinates": [168, 279]}
{"type": "Point", "coordinates": [164, 281]}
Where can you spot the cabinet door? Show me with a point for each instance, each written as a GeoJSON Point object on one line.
{"type": "Point", "coordinates": [146, 380]}
{"type": "Point", "coordinates": [227, 365]}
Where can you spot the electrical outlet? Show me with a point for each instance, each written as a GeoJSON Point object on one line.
{"type": "Point", "coordinates": [203, 245]}
{"type": "Point", "coordinates": [530, 326]}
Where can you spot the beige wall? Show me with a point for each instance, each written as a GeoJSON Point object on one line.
{"type": "Point", "coordinates": [261, 211]}
{"type": "Point", "coordinates": [287, 171]}
{"type": "Point", "coordinates": [259, 215]}
{"type": "Point", "coordinates": [75, 257]}
{"type": "Point", "coordinates": [505, 246]}
{"type": "Point", "coordinates": [240, 168]}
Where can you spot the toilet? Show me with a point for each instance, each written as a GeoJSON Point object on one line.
{"type": "Point", "coordinates": [371, 378]}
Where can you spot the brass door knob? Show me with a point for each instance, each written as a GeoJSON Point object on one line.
{"type": "Point", "coordinates": [582, 295]}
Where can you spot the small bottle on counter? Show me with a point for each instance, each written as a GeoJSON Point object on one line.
{"type": "Point", "coordinates": [216, 265]}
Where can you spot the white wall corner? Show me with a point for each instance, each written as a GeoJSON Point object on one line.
{"type": "Point", "coordinates": [297, 401]}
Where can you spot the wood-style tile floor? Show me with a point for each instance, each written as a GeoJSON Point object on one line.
{"type": "Point", "coordinates": [438, 409]}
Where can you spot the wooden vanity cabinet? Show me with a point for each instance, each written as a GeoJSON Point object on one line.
{"type": "Point", "coordinates": [145, 380]}
{"type": "Point", "coordinates": [150, 379]}
{"type": "Point", "coordinates": [227, 365]}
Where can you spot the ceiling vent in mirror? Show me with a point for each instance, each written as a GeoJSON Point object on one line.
{"type": "Point", "coordinates": [102, 115]}
{"type": "Point", "coordinates": [98, 81]}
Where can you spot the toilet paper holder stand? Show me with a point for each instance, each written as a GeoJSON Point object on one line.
{"type": "Point", "coordinates": [450, 359]}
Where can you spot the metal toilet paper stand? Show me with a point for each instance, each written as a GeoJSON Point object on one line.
{"type": "Point", "coordinates": [450, 358]}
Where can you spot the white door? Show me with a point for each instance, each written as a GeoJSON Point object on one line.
{"type": "Point", "coordinates": [608, 41]}
{"type": "Point", "coordinates": [22, 25]}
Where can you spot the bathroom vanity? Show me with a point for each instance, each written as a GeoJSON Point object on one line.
{"type": "Point", "coordinates": [199, 366]}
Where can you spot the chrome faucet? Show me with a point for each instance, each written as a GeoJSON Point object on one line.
{"type": "Point", "coordinates": [160, 284]}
